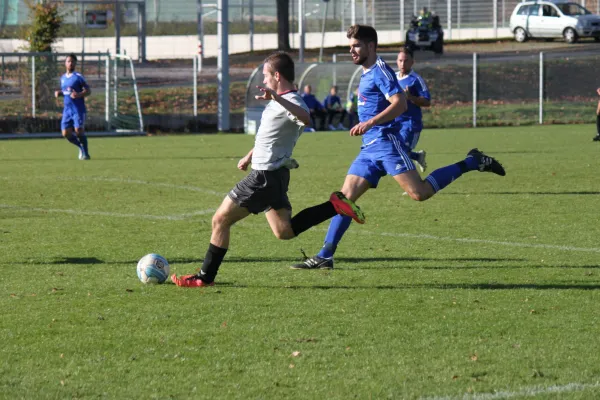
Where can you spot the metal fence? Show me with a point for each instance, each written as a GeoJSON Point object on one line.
{"type": "Point", "coordinates": [508, 89]}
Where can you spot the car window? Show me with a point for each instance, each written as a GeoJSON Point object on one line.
{"type": "Point", "coordinates": [573, 9]}
{"type": "Point", "coordinates": [549, 11]}
{"type": "Point", "coordinates": [534, 10]}
{"type": "Point", "coordinates": [524, 10]}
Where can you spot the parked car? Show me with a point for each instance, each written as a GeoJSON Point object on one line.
{"type": "Point", "coordinates": [425, 33]}
{"type": "Point", "coordinates": [553, 19]}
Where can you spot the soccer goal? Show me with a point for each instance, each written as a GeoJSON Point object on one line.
{"type": "Point", "coordinates": [29, 108]}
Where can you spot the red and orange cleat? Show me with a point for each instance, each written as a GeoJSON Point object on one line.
{"type": "Point", "coordinates": [347, 207]}
{"type": "Point", "coordinates": [190, 281]}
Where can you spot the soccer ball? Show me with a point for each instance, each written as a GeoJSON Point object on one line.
{"type": "Point", "coordinates": [153, 268]}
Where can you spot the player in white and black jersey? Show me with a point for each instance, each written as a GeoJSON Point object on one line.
{"type": "Point", "coordinates": [265, 188]}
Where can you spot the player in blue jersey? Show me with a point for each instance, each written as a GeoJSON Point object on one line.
{"type": "Point", "coordinates": [417, 96]}
{"type": "Point", "coordinates": [380, 102]}
{"type": "Point", "coordinates": [74, 89]}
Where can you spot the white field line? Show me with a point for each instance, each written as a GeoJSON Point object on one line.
{"type": "Point", "coordinates": [180, 217]}
{"type": "Point", "coordinates": [208, 191]}
{"type": "Point", "coordinates": [148, 183]}
{"type": "Point", "coordinates": [483, 241]}
{"type": "Point", "coordinates": [526, 392]}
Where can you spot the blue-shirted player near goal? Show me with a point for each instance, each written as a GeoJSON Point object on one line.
{"type": "Point", "coordinates": [380, 102]}
{"type": "Point", "coordinates": [417, 96]}
{"type": "Point", "coordinates": [74, 89]}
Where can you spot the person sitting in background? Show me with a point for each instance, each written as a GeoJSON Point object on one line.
{"type": "Point", "coordinates": [333, 105]}
{"type": "Point", "coordinates": [316, 109]}
{"type": "Point", "coordinates": [352, 108]}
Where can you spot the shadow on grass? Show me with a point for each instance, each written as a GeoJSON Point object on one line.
{"type": "Point", "coordinates": [453, 286]}
{"type": "Point", "coordinates": [523, 193]}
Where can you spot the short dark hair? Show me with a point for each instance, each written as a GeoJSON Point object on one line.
{"type": "Point", "coordinates": [281, 62]}
{"type": "Point", "coordinates": [407, 50]}
{"type": "Point", "coordinates": [72, 56]}
{"type": "Point", "coordinates": [365, 33]}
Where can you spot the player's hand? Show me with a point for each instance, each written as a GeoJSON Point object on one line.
{"type": "Point", "coordinates": [244, 163]}
{"type": "Point", "coordinates": [407, 93]}
{"type": "Point", "coordinates": [57, 93]}
{"type": "Point", "coordinates": [361, 128]}
{"type": "Point", "coordinates": [268, 94]}
{"type": "Point", "coordinates": [598, 91]}
{"type": "Point", "coordinates": [74, 95]}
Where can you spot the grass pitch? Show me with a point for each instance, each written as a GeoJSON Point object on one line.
{"type": "Point", "coordinates": [488, 290]}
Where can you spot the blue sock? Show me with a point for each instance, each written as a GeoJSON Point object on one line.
{"type": "Point", "coordinates": [337, 227]}
{"type": "Point", "coordinates": [73, 139]}
{"type": "Point", "coordinates": [442, 177]}
{"type": "Point", "coordinates": [84, 142]}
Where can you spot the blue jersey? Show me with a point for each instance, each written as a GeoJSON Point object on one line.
{"type": "Point", "coordinates": [376, 86]}
{"type": "Point", "coordinates": [311, 101]}
{"type": "Point", "coordinates": [330, 101]}
{"type": "Point", "coordinates": [73, 83]}
{"type": "Point", "coordinates": [417, 87]}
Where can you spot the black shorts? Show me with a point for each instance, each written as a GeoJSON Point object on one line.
{"type": "Point", "coordinates": [263, 190]}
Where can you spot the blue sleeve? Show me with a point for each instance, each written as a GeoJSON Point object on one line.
{"type": "Point", "coordinates": [82, 82]}
{"type": "Point", "coordinates": [387, 83]}
{"type": "Point", "coordinates": [422, 90]}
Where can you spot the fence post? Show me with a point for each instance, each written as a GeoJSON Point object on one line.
{"type": "Point", "coordinates": [195, 67]}
{"type": "Point", "coordinates": [2, 67]}
{"type": "Point", "coordinates": [116, 83]}
{"type": "Point", "coordinates": [495, 16]}
{"type": "Point", "coordinates": [99, 65]}
{"type": "Point", "coordinates": [541, 87]}
{"type": "Point", "coordinates": [334, 60]}
{"type": "Point", "coordinates": [33, 86]}
{"type": "Point", "coordinates": [107, 93]}
{"type": "Point", "coordinates": [474, 90]}
{"type": "Point", "coordinates": [449, 11]}
{"type": "Point", "coordinates": [251, 17]}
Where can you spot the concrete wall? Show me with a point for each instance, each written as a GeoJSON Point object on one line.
{"type": "Point", "coordinates": [171, 47]}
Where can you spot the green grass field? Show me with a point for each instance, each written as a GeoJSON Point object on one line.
{"type": "Point", "coordinates": [490, 290]}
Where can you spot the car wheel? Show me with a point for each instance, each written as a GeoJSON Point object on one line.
{"type": "Point", "coordinates": [570, 35]}
{"type": "Point", "coordinates": [520, 35]}
{"type": "Point", "coordinates": [409, 44]}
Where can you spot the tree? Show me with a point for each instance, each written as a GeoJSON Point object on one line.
{"type": "Point", "coordinates": [283, 25]}
{"type": "Point", "coordinates": [45, 21]}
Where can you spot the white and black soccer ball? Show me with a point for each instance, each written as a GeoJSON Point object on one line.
{"type": "Point", "coordinates": [153, 268]}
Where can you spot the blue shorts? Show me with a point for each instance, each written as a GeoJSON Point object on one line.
{"type": "Point", "coordinates": [386, 156]}
{"type": "Point", "coordinates": [72, 119]}
{"type": "Point", "coordinates": [410, 134]}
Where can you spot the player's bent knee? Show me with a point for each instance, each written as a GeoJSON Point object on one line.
{"type": "Point", "coordinates": [419, 195]}
{"type": "Point", "coordinates": [284, 233]}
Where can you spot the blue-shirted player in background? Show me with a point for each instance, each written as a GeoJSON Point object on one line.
{"type": "Point", "coordinates": [74, 89]}
{"type": "Point", "coordinates": [380, 103]}
{"type": "Point", "coordinates": [417, 96]}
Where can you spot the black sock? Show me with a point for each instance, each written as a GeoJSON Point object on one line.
{"type": "Point", "coordinates": [312, 216]}
{"type": "Point", "coordinates": [463, 166]}
{"type": "Point", "coordinates": [598, 124]}
{"type": "Point", "coordinates": [212, 262]}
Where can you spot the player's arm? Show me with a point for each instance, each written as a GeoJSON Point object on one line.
{"type": "Point", "coordinates": [85, 90]}
{"type": "Point", "coordinates": [297, 111]}
{"type": "Point", "coordinates": [245, 161]}
{"type": "Point", "coordinates": [58, 93]}
{"type": "Point", "coordinates": [423, 99]}
{"type": "Point", "coordinates": [397, 106]}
